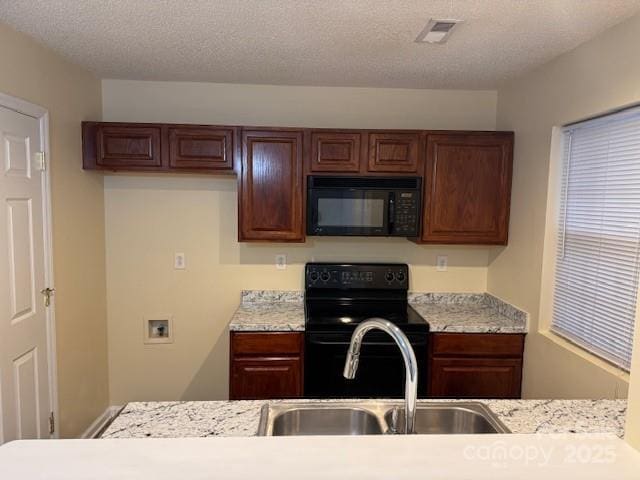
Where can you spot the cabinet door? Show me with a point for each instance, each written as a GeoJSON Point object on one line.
{"type": "Point", "coordinates": [468, 188]}
{"type": "Point", "coordinates": [200, 148]}
{"type": "Point", "coordinates": [394, 152]}
{"type": "Point", "coordinates": [475, 377]}
{"type": "Point", "coordinates": [266, 378]}
{"type": "Point", "coordinates": [271, 186]}
{"type": "Point", "coordinates": [335, 151]}
{"type": "Point", "coordinates": [128, 147]}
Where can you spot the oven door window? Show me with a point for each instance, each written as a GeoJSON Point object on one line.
{"type": "Point", "coordinates": [349, 212]}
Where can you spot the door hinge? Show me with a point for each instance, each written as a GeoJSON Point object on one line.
{"type": "Point", "coordinates": [52, 423]}
{"type": "Point", "coordinates": [41, 161]}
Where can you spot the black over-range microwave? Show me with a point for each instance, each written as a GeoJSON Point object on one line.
{"type": "Point", "coordinates": [364, 206]}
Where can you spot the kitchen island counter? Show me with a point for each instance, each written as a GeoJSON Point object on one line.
{"type": "Point", "coordinates": [370, 457]}
{"type": "Point", "coordinates": [240, 418]}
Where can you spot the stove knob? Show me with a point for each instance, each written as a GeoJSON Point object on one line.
{"type": "Point", "coordinates": [400, 277]}
{"type": "Point", "coordinates": [325, 277]}
{"type": "Point", "coordinates": [313, 276]}
{"type": "Point", "coordinates": [389, 277]}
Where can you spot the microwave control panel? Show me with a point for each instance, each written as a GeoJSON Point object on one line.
{"type": "Point", "coordinates": [405, 214]}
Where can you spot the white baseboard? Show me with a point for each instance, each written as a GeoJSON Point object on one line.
{"type": "Point", "coordinates": [99, 423]}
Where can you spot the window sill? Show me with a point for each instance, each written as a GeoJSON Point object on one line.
{"type": "Point", "coordinates": [585, 355]}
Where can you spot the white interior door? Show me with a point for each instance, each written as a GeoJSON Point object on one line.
{"type": "Point", "coordinates": [25, 388]}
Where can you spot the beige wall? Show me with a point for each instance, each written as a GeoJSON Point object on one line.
{"type": "Point", "coordinates": [600, 75]}
{"type": "Point", "coordinates": [148, 218]}
{"type": "Point", "coordinates": [632, 431]}
{"type": "Point", "coordinates": [71, 95]}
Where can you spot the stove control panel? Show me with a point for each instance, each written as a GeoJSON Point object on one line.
{"type": "Point", "coordinates": [387, 276]}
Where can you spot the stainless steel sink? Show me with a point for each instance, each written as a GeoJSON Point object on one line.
{"type": "Point", "coordinates": [326, 421]}
{"type": "Point", "coordinates": [447, 419]}
{"type": "Point", "coordinates": [370, 417]}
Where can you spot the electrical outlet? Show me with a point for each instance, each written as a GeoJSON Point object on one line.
{"type": "Point", "coordinates": [180, 261]}
{"type": "Point", "coordinates": [281, 262]}
{"type": "Point", "coordinates": [441, 263]}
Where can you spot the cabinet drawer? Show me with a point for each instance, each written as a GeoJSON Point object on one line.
{"type": "Point", "coordinates": [249, 343]}
{"type": "Point", "coordinates": [477, 344]}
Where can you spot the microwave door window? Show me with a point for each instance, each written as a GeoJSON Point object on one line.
{"type": "Point", "coordinates": [351, 212]}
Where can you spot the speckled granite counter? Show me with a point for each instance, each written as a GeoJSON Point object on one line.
{"type": "Point", "coordinates": [468, 313]}
{"type": "Point", "coordinates": [265, 310]}
{"type": "Point", "coordinates": [240, 418]}
{"type": "Point", "coordinates": [269, 311]}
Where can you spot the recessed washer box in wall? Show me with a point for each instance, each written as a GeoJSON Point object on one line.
{"type": "Point", "coordinates": [158, 329]}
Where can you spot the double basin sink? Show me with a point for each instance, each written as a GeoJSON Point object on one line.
{"type": "Point", "coordinates": [376, 418]}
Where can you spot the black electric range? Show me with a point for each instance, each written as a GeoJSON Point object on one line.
{"type": "Point", "coordinates": [337, 298]}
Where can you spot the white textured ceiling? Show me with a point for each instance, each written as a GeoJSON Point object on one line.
{"type": "Point", "coordinates": [313, 42]}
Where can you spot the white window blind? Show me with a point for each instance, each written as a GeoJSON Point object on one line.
{"type": "Point", "coordinates": [597, 263]}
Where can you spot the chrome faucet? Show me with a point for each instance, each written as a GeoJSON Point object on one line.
{"type": "Point", "coordinates": [410, 364]}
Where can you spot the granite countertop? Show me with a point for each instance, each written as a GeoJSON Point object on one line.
{"type": "Point", "coordinates": [282, 311]}
{"type": "Point", "coordinates": [240, 418]}
{"type": "Point", "coordinates": [268, 310]}
{"type": "Point", "coordinates": [468, 313]}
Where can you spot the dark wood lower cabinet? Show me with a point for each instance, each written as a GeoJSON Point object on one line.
{"type": "Point", "coordinates": [269, 365]}
{"type": "Point", "coordinates": [266, 377]}
{"type": "Point", "coordinates": [476, 377]}
{"type": "Point", "coordinates": [475, 365]}
{"type": "Point", "coordinates": [266, 365]}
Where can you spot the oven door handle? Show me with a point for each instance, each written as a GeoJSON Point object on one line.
{"type": "Point", "coordinates": [391, 214]}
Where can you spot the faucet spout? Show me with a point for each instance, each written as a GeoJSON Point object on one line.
{"type": "Point", "coordinates": [351, 365]}
{"type": "Point", "coordinates": [408, 355]}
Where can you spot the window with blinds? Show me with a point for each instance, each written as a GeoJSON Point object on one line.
{"type": "Point", "coordinates": [597, 259]}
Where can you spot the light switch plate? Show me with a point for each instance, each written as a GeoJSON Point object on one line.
{"type": "Point", "coordinates": [441, 263]}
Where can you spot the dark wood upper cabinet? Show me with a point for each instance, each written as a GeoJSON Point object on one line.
{"type": "Point", "coordinates": [335, 151]}
{"type": "Point", "coordinates": [114, 146]}
{"type": "Point", "coordinates": [391, 152]}
{"type": "Point", "coordinates": [467, 188]}
{"type": "Point", "coordinates": [198, 148]}
{"type": "Point", "coordinates": [271, 186]}
{"type": "Point", "coordinates": [466, 175]}
{"type": "Point", "coordinates": [158, 147]}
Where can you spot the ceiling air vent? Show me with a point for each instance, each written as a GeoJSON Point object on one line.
{"type": "Point", "coordinates": [437, 31]}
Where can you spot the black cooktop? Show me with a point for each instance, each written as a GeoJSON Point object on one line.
{"type": "Point", "coordinates": [339, 296]}
{"type": "Point", "coordinates": [339, 316]}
